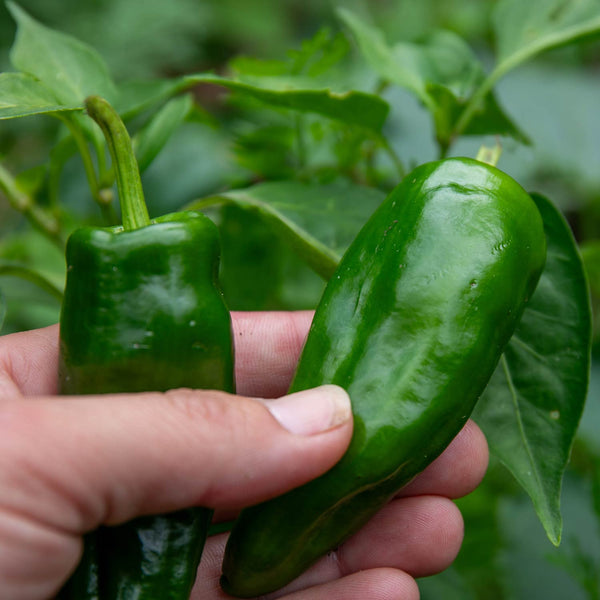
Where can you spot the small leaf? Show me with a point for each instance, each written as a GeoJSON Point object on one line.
{"type": "Point", "coordinates": [442, 58]}
{"type": "Point", "coordinates": [318, 54]}
{"type": "Point", "coordinates": [258, 67]}
{"type": "Point", "coordinates": [402, 66]}
{"type": "Point", "coordinates": [489, 119]}
{"type": "Point", "coordinates": [71, 69]}
{"type": "Point", "coordinates": [315, 57]}
{"type": "Point", "coordinates": [302, 213]}
{"type": "Point", "coordinates": [524, 29]}
{"type": "Point", "coordinates": [531, 408]}
{"type": "Point", "coordinates": [442, 71]}
{"type": "Point", "coordinates": [150, 140]}
{"type": "Point", "coordinates": [22, 95]}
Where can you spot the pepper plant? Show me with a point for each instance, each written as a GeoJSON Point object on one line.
{"type": "Point", "coordinates": [310, 157]}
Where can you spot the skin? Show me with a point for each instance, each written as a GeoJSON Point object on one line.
{"type": "Point", "coordinates": [68, 465]}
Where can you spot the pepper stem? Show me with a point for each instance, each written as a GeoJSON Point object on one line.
{"type": "Point", "coordinates": [134, 213]}
{"type": "Point", "coordinates": [490, 154]}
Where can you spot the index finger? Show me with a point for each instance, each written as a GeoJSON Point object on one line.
{"type": "Point", "coordinates": [267, 347]}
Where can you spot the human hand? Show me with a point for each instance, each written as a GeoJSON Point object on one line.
{"type": "Point", "coordinates": [69, 464]}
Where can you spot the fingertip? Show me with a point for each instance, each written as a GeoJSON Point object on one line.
{"type": "Point", "coordinates": [421, 535]}
{"type": "Point", "coordinates": [479, 445]}
{"type": "Point", "coordinates": [458, 470]}
{"type": "Point", "coordinates": [312, 411]}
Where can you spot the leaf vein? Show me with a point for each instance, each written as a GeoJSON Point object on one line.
{"type": "Point", "coordinates": [530, 349]}
{"type": "Point", "coordinates": [514, 395]}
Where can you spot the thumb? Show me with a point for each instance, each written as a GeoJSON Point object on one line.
{"type": "Point", "coordinates": [74, 463]}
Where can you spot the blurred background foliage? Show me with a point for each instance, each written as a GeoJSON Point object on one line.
{"type": "Point", "coordinates": [553, 99]}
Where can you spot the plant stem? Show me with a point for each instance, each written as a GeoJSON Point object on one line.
{"type": "Point", "coordinates": [24, 272]}
{"type": "Point", "coordinates": [509, 62]}
{"type": "Point", "coordinates": [24, 204]}
{"type": "Point", "coordinates": [490, 154]}
{"type": "Point", "coordinates": [134, 213]}
{"type": "Point", "coordinates": [473, 104]}
{"type": "Point", "coordinates": [400, 169]}
{"type": "Point", "coordinates": [86, 157]}
{"type": "Point", "coordinates": [487, 85]}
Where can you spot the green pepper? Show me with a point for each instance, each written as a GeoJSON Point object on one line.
{"type": "Point", "coordinates": [412, 324]}
{"type": "Point", "coordinates": [142, 311]}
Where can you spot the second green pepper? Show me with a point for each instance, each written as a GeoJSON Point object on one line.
{"type": "Point", "coordinates": [412, 325]}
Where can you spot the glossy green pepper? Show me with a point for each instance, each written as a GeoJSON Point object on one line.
{"type": "Point", "coordinates": [412, 325]}
{"type": "Point", "coordinates": [142, 311]}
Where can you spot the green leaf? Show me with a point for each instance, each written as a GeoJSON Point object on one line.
{"type": "Point", "coordinates": [71, 69]}
{"type": "Point", "coordinates": [293, 93]}
{"type": "Point", "coordinates": [22, 95]}
{"type": "Point", "coordinates": [303, 214]}
{"type": "Point", "coordinates": [524, 29]}
{"type": "Point", "coordinates": [315, 57]}
{"type": "Point", "coordinates": [267, 152]}
{"type": "Point", "coordinates": [489, 119]}
{"type": "Point", "coordinates": [150, 140]}
{"type": "Point", "coordinates": [350, 107]}
{"type": "Point", "coordinates": [401, 65]}
{"type": "Point", "coordinates": [441, 71]}
{"type": "Point", "coordinates": [318, 54]}
{"type": "Point", "coordinates": [531, 408]}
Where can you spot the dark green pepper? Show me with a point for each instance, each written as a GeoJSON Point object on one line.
{"type": "Point", "coordinates": [142, 311]}
{"type": "Point", "coordinates": [412, 325]}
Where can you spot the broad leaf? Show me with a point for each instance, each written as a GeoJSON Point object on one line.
{"type": "Point", "coordinates": [442, 71]}
{"type": "Point", "coordinates": [531, 408]}
{"type": "Point", "coordinates": [71, 69]}
{"type": "Point", "coordinates": [303, 215]}
{"type": "Point", "coordinates": [524, 29]}
{"type": "Point", "coordinates": [150, 140]}
{"type": "Point", "coordinates": [22, 95]}
{"type": "Point", "coordinates": [351, 107]}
